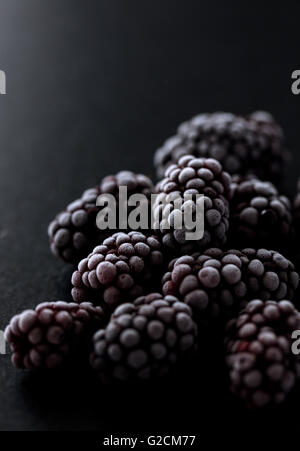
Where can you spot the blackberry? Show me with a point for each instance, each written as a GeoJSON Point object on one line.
{"type": "Point", "coordinates": [262, 367]}
{"type": "Point", "coordinates": [259, 215]}
{"type": "Point", "coordinates": [144, 339]}
{"type": "Point", "coordinates": [51, 333]}
{"type": "Point", "coordinates": [124, 267]}
{"type": "Point", "coordinates": [254, 144]}
{"type": "Point", "coordinates": [193, 176]}
{"type": "Point", "coordinates": [216, 283]}
{"type": "Point", "coordinates": [74, 233]}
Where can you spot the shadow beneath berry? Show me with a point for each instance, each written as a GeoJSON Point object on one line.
{"type": "Point", "coordinates": [195, 399]}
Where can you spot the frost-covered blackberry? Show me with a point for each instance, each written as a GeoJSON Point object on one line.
{"type": "Point", "coordinates": [259, 215]}
{"type": "Point", "coordinates": [244, 145]}
{"type": "Point", "coordinates": [218, 282]}
{"type": "Point", "coordinates": [144, 340]}
{"type": "Point", "coordinates": [262, 368]}
{"type": "Point", "coordinates": [192, 177]}
{"type": "Point", "coordinates": [124, 267]}
{"type": "Point", "coordinates": [74, 233]}
{"type": "Point", "coordinates": [52, 333]}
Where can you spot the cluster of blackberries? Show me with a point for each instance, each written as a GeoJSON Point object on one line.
{"type": "Point", "coordinates": [143, 298]}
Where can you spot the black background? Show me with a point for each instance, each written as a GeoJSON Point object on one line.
{"type": "Point", "coordinates": [94, 87]}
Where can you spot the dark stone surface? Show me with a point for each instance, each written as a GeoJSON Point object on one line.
{"type": "Point", "coordinates": [94, 87]}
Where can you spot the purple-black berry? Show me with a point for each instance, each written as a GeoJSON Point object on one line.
{"type": "Point", "coordinates": [193, 176]}
{"type": "Point", "coordinates": [74, 232]}
{"type": "Point", "coordinates": [259, 215]}
{"type": "Point", "coordinates": [243, 145]}
{"type": "Point", "coordinates": [262, 368]}
{"type": "Point", "coordinates": [122, 268]}
{"type": "Point", "coordinates": [52, 333]}
{"type": "Point", "coordinates": [144, 339]}
{"type": "Point", "coordinates": [217, 283]}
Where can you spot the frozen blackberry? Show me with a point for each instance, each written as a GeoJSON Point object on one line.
{"type": "Point", "coordinates": [262, 367]}
{"type": "Point", "coordinates": [259, 215]}
{"type": "Point", "coordinates": [217, 283]}
{"type": "Point", "coordinates": [191, 177]}
{"type": "Point", "coordinates": [74, 233]}
{"type": "Point", "coordinates": [254, 144]}
{"type": "Point", "coordinates": [144, 339]}
{"type": "Point", "coordinates": [124, 267]}
{"type": "Point", "coordinates": [51, 333]}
